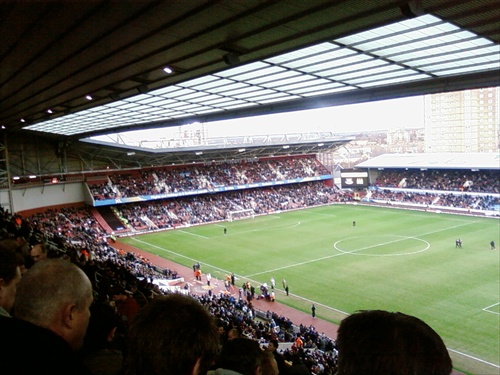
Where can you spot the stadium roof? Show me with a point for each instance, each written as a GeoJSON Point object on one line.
{"type": "Point", "coordinates": [434, 161]}
{"type": "Point", "coordinates": [74, 69]}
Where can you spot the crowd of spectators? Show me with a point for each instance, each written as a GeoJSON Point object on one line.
{"type": "Point", "coordinates": [199, 177]}
{"type": "Point", "coordinates": [462, 189]}
{"type": "Point", "coordinates": [427, 199]}
{"type": "Point", "coordinates": [214, 207]}
{"type": "Point", "coordinates": [124, 281]}
{"type": "Point", "coordinates": [437, 179]}
{"type": "Point", "coordinates": [207, 208]}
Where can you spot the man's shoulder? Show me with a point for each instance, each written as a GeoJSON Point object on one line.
{"type": "Point", "coordinates": [27, 349]}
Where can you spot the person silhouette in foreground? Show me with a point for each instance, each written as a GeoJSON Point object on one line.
{"type": "Point", "coordinates": [50, 317]}
{"type": "Point", "coordinates": [377, 342]}
{"type": "Point", "coordinates": [241, 356]}
{"type": "Point", "coordinates": [171, 335]}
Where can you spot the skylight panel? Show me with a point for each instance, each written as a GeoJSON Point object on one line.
{"type": "Point", "coordinates": [222, 99]}
{"type": "Point", "coordinates": [457, 63]}
{"type": "Point", "coordinates": [287, 82]}
{"type": "Point", "coordinates": [181, 115]}
{"type": "Point", "coordinates": [144, 116]}
{"type": "Point", "coordinates": [203, 99]}
{"type": "Point", "coordinates": [151, 99]}
{"type": "Point", "coordinates": [137, 97]}
{"type": "Point", "coordinates": [366, 72]}
{"type": "Point", "coordinates": [164, 90]}
{"type": "Point", "coordinates": [242, 69]}
{"type": "Point", "coordinates": [231, 103]}
{"type": "Point", "coordinates": [93, 109]}
{"type": "Point", "coordinates": [351, 61]}
{"type": "Point", "coordinates": [380, 77]}
{"type": "Point", "coordinates": [150, 109]}
{"type": "Point", "coordinates": [213, 84]}
{"type": "Point", "coordinates": [278, 99]}
{"type": "Point", "coordinates": [166, 112]}
{"type": "Point", "coordinates": [327, 91]}
{"type": "Point", "coordinates": [199, 81]}
{"type": "Point", "coordinates": [326, 87]}
{"type": "Point", "coordinates": [332, 55]}
{"type": "Point", "coordinates": [165, 102]}
{"type": "Point", "coordinates": [178, 93]}
{"type": "Point", "coordinates": [258, 73]}
{"type": "Point", "coordinates": [207, 110]}
{"type": "Point", "coordinates": [423, 59]}
{"type": "Point", "coordinates": [137, 107]}
{"type": "Point", "coordinates": [191, 95]}
{"type": "Point", "coordinates": [301, 84]}
{"type": "Point", "coordinates": [366, 66]}
{"type": "Point", "coordinates": [108, 110]}
{"type": "Point", "coordinates": [302, 53]}
{"type": "Point", "coordinates": [227, 86]}
{"type": "Point", "coordinates": [120, 113]}
{"type": "Point", "coordinates": [175, 105]}
{"type": "Point", "coordinates": [256, 93]}
{"type": "Point", "coordinates": [285, 74]}
{"type": "Point", "coordinates": [466, 46]}
{"type": "Point", "coordinates": [399, 49]}
{"type": "Point", "coordinates": [242, 105]}
{"type": "Point", "coordinates": [455, 37]}
{"type": "Point", "coordinates": [395, 28]}
{"type": "Point", "coordinates": [242, 90]}
{"type": "Point", "coordinates": [126, 104]}
{"type": "Point", "coordinates": [188, 107]}
{"type": "Point", "coordinates": [405, 78]}
{"type": "Point", "coordinates": [274, 95]}
{"type": "Point", "coordinates": [112, 104]}
{"type": "Point", "coordinates": [398, 28]}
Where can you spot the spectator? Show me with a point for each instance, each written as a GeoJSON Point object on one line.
{"type": "Point", "coordinates": [51, 314]}
{"type": "Point", "coordinates": [242, 356]}
{"type": "Point", "coordinates": [379, 343]}
{"type": "Point", "coordinates": [269, 365]}
{"type": "Point", "coordinates": [39, 252]}
{"type": "Point", "coordinates": [126, 305]}
{"type": "Point", "coordinates": [171, 335]}
{"type": "Point", "coordinates": [10, 276]}
{"type": "Point", "coordinates": [233, 333]}
{"type": "Point", "coordinates": [101, 353]}
{"type": "Point", "coordinates": [273, 348]}
{"type": "Point", "coordinates": [298, 367]}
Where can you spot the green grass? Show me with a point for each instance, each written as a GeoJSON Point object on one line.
{"type": "Point", "coordinates": [394, 260]}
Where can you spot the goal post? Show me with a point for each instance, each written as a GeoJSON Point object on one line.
{"type": "Point", "coordinates": [240, 214]}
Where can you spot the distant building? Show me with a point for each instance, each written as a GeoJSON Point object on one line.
{"type": "Point", "coordinates": [463, 121]}
{"type": "Point", "coordinates": [405, 141]}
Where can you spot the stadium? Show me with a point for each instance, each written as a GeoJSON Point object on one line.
{"type": "Point", "coordinates": [411, 232]}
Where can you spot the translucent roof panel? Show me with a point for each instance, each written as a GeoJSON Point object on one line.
{"type": "Point", "coordinates": [410, 50]}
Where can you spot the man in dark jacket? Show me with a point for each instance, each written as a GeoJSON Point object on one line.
{"type": "Point", "coordinates": [51, 314]}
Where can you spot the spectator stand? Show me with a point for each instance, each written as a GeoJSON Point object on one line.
{"type": "Point", "coordinates": [456, 183]}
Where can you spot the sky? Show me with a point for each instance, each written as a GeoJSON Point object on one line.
{"type": "Point", "coordinates": [379, 115]}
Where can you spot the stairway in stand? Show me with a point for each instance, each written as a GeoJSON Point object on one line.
{"type": "Point", "coordinates": [108, 220]}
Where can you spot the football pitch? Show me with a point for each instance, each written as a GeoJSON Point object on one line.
{"type": "Point", "coordinates": [393, 259]}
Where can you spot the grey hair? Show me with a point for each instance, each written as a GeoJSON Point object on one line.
{"type": "Point", "coordinates": [47, 287]}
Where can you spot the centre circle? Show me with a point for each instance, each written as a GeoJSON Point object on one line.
{"type": "Point", "coordinates": [379, 242]}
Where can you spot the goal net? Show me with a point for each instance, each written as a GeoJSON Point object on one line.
{"type": "Point", "coordinates": [240, 214]}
